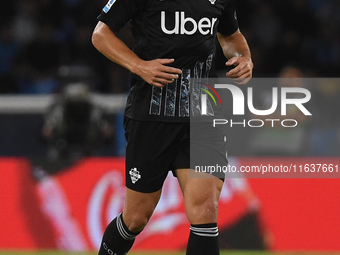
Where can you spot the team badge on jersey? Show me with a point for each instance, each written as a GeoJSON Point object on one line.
{"type": "Point", "coordinates": [134, 174]}
{"type": "Point", "coordinates": [108, 6]}
{"type": "Point", "coordinates": [212, 1]}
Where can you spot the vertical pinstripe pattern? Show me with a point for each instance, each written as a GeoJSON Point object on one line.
{"type": "Point", "coordinates": [188, 94]}
{"type": "Point", "coordinates": [156, 101]}
{"type": "Point", "coordinates": [196, 92]}
{"type": "Point", "coordinates": [184, 96]}
{"type": "Point", "coordinates": [170, 98]}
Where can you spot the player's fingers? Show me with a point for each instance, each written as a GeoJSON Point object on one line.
{"type": "Point", "coordinates": [168, 69]}
{"type": "Point", "coordinates": [233, 73]}
{"type": "Point", "coordinates": [171, 70]}
{"type": "Point", "coordinates": [242, 70]}
{"type": "Point", "coordinates": [245, 75]}
{"type": "Point", "coordinates": [243, 79]}
{"type": "Point", "coordinates": [165, 61]}
{"type": "Point", "coordinates": [157, 84]}
{"type": "Point", "coordinates": [168, 76]}
{"type": "Point", "coordinates": [163, 80]}
{"type": "Point", "coordinates": [232, 61]}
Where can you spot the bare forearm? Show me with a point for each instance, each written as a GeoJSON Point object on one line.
{"type": "Point", "coordinates": [236, 50]}
{"type": "Point", "coordinates": [155, 72]}
{"type": "Point", "coordinates": [106, 42]}
{"type": "Point", "coordinates": [234, 45]}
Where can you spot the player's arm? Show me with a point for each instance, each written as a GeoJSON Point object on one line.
{"type": "Point", "coordinates": [155, 72]}
{"type": "Point", "coordinates": [236, 50]}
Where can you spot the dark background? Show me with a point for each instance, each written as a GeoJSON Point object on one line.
{"type": "Point", "coordinates": [39, 37]}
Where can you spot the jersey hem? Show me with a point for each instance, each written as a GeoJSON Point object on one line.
{"type": "Point", "coordinates": [159, 118]}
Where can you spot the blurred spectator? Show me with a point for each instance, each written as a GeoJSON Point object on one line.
{"type": "Point", "coordinates": [327, 10]}
{"type": "Point", "coordinates": [39, 37]}
{"type": "Point", "coordinates": [50, 12]}
{"type": "Point", "coordinates": [25, 22]}
{"type": "Point", "coordinates": [309, 36]}
{"type": "Point", "coordinates": [327, 50]}
{"type": "Point", "coordinates": [7, 11]}
{"type": "Point", "coordinates": [286, 50]}
{"type": "Point", "coordinates": [74, 127]}
{"type": "Point", "coordinates": [265, 26]}
{"type": "Point", "coordinates": [274, 139]}
{"type": "Point", "coordinates": [74, 123]}
{"type": "Point", "coordinates": [38, 63]}
{"type": "Point", "coordinates": [324, 126]}
{"type": "Point", "coordinates": [8, 53]}
{"type": "Point", "coordinates": [301, 17]}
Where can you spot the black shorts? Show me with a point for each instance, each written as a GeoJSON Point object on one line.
{"type": "Point", "coordinates": [153, 149]}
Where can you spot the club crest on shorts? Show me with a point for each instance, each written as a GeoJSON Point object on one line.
{"type": "Point", "coordinates": [134, 174]}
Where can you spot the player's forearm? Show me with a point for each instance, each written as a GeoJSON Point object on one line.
{"type": "Point", "coordinates": [105, 41]}
{"type": "Point", "coordinates": [155, 72]}
{"type": "Point", "coordinates": [234, 45]}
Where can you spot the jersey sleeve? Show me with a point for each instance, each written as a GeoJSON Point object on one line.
{"type": "Point", "coordinates": [116, 13]}
{"type": "Point", "coordinates": [228, 23]}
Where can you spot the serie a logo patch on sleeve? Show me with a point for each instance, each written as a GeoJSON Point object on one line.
{"type": "Point", "coordinates": [108, 6]}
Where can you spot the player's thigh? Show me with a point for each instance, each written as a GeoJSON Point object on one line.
{"type": "Point", "coordinates": [139, 207]}
{"type": "Point", "coordinates": [201, 192]}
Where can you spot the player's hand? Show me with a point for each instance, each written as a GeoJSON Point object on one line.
{"type": "Point", "coordinates": [243, 70]}
{"type": "Point", "coordinates": [157, 73]}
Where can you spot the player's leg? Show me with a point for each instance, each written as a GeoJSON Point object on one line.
{"type": "Point", "coordinates": [139, 208]}
{"type": "Point", "coordinates": [201, 197]}
{"type": "Point", "coordinates": [145, 173]}
{"type": "Point", "coordinates": [120, 234]}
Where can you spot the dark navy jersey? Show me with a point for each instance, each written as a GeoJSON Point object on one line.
{"type": "Point", "coordinates": [184, 30]}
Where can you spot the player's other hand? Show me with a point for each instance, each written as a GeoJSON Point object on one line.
{"type": "Point", "coordinates": [157, 73]}
{"type": "Point", "coordinates": [243, 70]}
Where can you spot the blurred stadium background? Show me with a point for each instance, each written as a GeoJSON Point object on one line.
{"type": "Point", "coordinates": [61, 184]}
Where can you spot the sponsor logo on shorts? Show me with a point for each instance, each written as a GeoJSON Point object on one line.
{"type": "Point", "coordinates": [135, 175]}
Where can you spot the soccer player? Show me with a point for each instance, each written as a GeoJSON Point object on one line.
{"type": "Point", "coordinates": [174, 40]}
